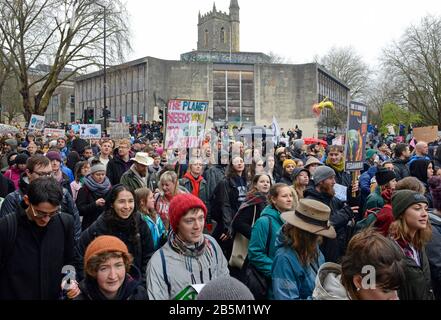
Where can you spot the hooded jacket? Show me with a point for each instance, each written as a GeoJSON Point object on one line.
{"type": "Point", "coordinates": [290, 278]}
{"type": "Point", "coordinates": [418, 169]}
{"type": "Point", "coordinates": [14, 200]}
{"type": "Point", "coordinates": [365, 184]}
{"type": "Point", "coordinates": [6, 187]}
{"type": "Point", "coordinates": [328, 283]}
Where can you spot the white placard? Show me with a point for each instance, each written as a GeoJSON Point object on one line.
{"type": "Point", "coordinates": [90, 131]}
{"type": "Point", "coordinates": [119, 130]}
{"type": "Point", "coordinates": [36, 123]}
{"type": "Point", "coordinates": [341, 192]}
{"type": "Point", "coordinates": [60, 133]}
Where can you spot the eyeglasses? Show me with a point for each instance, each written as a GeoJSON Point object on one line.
{"type": "Point", "coordinates": [43, 174]}
{"type": "Point", "coordinates": [40, 215]}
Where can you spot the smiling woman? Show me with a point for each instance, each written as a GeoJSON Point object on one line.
{"type": "Point", "coordinates": [106, 264]}
{"type": "Point", "coordinates": [121, 220]}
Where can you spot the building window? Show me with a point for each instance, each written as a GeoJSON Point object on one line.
{"type": "Point", "coordinates": [72, 99]}
{"type": "Point", "coordinates": [233, 97]}
{"type": "Point", "coordinates": [222, 35]}
{"type": "Point", "coordinates": [206, 38]}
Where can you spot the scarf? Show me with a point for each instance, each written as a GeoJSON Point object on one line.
{"type": "Point", "coordinates": [386, 194]}
{"type": "Point", "coordinates": [253, 199]}
{"type": "Point", "coordinates": [198, 251]}
{"type": "Point", "coordinates": [141, 180]}
{"type": "Point", "coordinates": [407, 250]}
{"type": "Point", "coordinates": [58, 176]}
{"type": "Point", "coordinates": [186, 249]}
{"type": "Point", "coordinates": [99, 189]}
{"type": "Point", "coordinates": [195, 183]}
{"type": "Point", "coordinates": [340, 167]}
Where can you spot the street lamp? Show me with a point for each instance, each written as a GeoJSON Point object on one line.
{"type": "Point", "coordinates": [105, 111]}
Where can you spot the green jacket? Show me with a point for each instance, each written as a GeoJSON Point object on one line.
{"type": "Point", "coordinates": [259, 234]}
{"type": "Point", "coordinates": [417, 284]}
{"type": "Point", "coordinates": [130, 180]}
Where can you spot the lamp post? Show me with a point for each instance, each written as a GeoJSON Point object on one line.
{"type": "Point", "coordinates": [105, 112]}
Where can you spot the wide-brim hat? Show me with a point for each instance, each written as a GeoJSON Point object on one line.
{"type": "Point", "coordinates": [311, 216]}
{"type": "Point", "coordinates": [143, 158]}
{"type": "Point", "coordinates": [311, 161]}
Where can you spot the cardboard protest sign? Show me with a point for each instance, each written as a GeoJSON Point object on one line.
{"type": "Point", "coordinates": [90, 131]}
{"type": "Point", "coordinates": [356, 137]}
{"type": "Point", "coordinates": [426, 134]}
{"type": "Point", "coordinates": [119, 130]}
{"type": "Point", "coordinates": [185, 124]}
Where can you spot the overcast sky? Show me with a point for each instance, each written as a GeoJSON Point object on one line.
{"type": "Point", "coordinates": [294, 29]}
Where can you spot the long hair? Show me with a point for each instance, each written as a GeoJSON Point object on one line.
{"type": "Point", "coordinates": [370, 248]}
{"type": "Point", "coordinates": [113, 221]}
{"type": "Point", "coordinates": [78, 167]}
{"type": "Point", "coordinates": [230, 172]}
{"type": "Point", "coordinates": [274, 191]}
{"type": "Point", "coordinates": [399, 230]}
{"type": "Point", "coordinates": [303, 242]}
{"type": "Point", "coordinates": [141, 195]}
{"type": "Point", "coordinates": [256, 178]}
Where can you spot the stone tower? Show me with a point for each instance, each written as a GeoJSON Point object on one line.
{"type": "Point", "coordinates": [219, 31]}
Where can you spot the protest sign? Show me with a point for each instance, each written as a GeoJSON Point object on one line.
{"type": "Point", "coordinates": [90, 131]}
{"type": "Point", "coordinates": [119, 130]}
{"type": "Point", "coordinates": [185, 124]}
{"type": "Point", "coordinates": [36, 123]}
{"type": "Point", "coordinates": [426, 134]}
{"type": "Point", "coordinates": [49, 132]}
{"type": "Point", "coordinates": [356, 137]}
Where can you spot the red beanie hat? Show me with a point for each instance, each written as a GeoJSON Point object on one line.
{"type": "Point", "coordinates": [180, 205]}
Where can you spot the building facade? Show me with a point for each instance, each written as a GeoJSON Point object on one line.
{"type": "Point", "coordinates": [243, 88]}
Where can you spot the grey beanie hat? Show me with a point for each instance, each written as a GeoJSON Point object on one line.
{"type": "Point", "coordinates": [225, 288]}
{"type": "Point", "coordinates": [97, 167]}
{"type": "Point", "coordinates": [298, 144]}
{"type": "Point", "coordinates": [403, 199]}
{"type": "Point", "coordinates": [322, 173]}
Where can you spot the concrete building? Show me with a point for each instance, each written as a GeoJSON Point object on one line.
{"type": "Point", "coordinates": [243, 88]}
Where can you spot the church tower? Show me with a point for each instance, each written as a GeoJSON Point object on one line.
{"type": "Point", "coordinates": [219, 31]}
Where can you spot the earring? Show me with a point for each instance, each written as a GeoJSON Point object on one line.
{"type": "Point", "coordinates": [358, 289]}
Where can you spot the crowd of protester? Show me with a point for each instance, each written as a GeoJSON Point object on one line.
{"type": "Point", "coordinates": [135, 221]}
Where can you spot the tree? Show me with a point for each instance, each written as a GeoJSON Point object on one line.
{"type": "Point", "coordinates": [396, 115]}
{"type": "Point", "coordinates": [345, 64]}
{"type": "Point", "coordinates": [277, 58]}
{"type": "Point", "coordinates": [415, 62]}
{"type": "Point", "coordinates": [66, 35]}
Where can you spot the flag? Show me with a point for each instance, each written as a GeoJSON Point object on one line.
{"type": "Point", "coordinates": [276, 130]}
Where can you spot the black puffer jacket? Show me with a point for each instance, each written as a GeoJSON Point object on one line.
{"type": "Point", "coordinates": [87, 206]}
{"type": "Point", "coordinates": [141, 252]}
{"type": "Point", "coordinates": [341, 215]}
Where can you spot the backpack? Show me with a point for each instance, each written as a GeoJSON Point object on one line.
{"type": "Point", "coordinates": [370, 218]}
{"type": "Point", "coordinates": [11, 235]}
